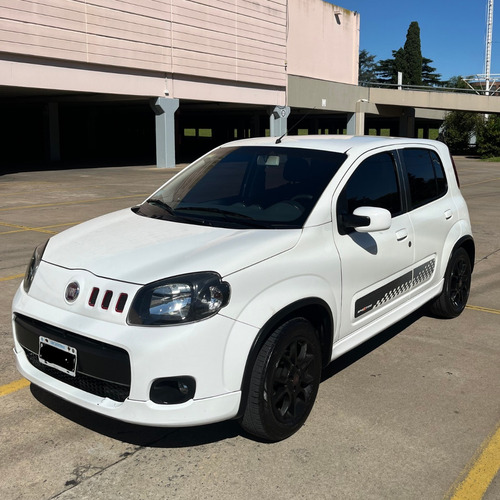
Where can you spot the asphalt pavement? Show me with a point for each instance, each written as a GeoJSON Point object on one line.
{"type": "Point", "coordinates": [412, 414]}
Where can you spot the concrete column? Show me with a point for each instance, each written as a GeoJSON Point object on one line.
{"type": "Point", "coordinates": [356, 120]}
{"type": "Point", "coordinates": [407, 123]}
{"type": "Point", "coordinates": [164, 109]}
{"type": "Point", "coordinates": [278, 117]}
{"type": "Point", "coordinates": [351, 123]}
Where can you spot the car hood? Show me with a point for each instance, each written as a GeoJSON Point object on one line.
{"type": "Point", "coordinates": [127, 247]}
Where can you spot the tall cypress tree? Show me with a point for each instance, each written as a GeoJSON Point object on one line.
{"type": "Point", "coordinates": [413, 56]}
{"type": "Point", "coordinates": [409, 61]}
{"type": "Point", "coordinates": [400, 65]}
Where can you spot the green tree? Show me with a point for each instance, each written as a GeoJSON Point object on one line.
{"type": "Point", "coordinates": [400, 65]}
{"type": "Point", "coordinates": [488, 137]}
{"type": "Point", "coordinates": [459, 129]}
{"type": "Point", "coordinates": [429, 76]}
{"type": "Point", "coordinates": [385, 71]}
{"type": "Point", "coordinates": [413, 56]}
{"type": "Point", "coordinates": [408, 60]}
{"type": "Point", "coordinates": [367, 66]}
{"type": "Point", "coordinates": [456, 82]}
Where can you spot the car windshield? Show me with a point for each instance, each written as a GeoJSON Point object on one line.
{"type": "Point", "coordinates": [250, 186]}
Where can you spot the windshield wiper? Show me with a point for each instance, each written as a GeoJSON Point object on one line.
{"type": "Point", "coordinates": [160, 203]}
{"type": "Point", "coordinates": [216, 210]}
{"type": "Point", "coordinates": [174, 215]}
{"type": "Point", "coordinates": [227, 214]}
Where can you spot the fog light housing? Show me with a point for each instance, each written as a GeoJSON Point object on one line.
{"type": "Point", "coordinates": [172, 390]}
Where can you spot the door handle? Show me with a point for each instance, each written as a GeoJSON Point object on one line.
{"type": "Point", "coordinates": [401, 234]}
{"type": "Point", "coordinates": [448, 214]}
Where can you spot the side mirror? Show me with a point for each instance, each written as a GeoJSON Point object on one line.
{"type": "Point", "coordinates": [368, 219]}
{"type": "Point", "coordinates": [379, 219]}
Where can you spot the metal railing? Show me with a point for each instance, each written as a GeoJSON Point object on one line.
{"type": "Point", "coordinates": [495, 90]}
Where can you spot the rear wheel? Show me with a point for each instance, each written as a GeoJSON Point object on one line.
{"type": "Point", "coordinates": [456, 288]}
{"type": "Point", "coordinates": [284, 381]}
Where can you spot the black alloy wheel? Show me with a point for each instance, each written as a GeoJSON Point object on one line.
{"type": "Point", "coordinates": [456, 288]}
{"type": "Point", "coordinates": [284, 382]}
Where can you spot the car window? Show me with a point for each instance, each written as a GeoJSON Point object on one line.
{"type": "Point", "coordinates": [426, 178]}
{"type": "Point", "coordinates": [373, 184]}
{"type": "Point", "coordinates": [250, 186]}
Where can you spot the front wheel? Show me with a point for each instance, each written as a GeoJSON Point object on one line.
{"type": "Point", "coordinates": [456, 288]}
{"type": "Point", "coordinates": [284, 381]}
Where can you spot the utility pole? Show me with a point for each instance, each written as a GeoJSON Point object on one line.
{"type": "Point", "coordinates": [490, 82]}
{"type": "Point", "coordinates": [489, 41]}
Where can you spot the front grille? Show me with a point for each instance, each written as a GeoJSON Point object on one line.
{"type": "Point", "coordinates": [92, 385]}
{"type": "Point", "coordinates": [102, 369]}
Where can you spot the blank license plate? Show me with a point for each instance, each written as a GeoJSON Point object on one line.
{"type": "Point", "coordinates": [60, 356]}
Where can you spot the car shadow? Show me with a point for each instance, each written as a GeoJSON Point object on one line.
{"type": "Point", "coordinates": [139, 435]}
{"type": "Point", "coordinates": [347, 359]}
{"type": "Point", "coordinates": [181, 437]}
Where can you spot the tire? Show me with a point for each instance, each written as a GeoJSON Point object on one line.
{"type": "Point", "coordinates": [284, 382]}
{"type": "Point", "coordinates": [456, 288]}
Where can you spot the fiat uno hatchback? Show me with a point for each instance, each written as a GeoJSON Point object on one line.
{"type": "Point", "coordinates": [225, 293]}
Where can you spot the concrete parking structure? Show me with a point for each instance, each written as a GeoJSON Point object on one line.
{"type": "Point", "coordinates": [408, 415]}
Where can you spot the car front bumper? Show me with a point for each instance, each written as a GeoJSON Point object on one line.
{"type": "Point", "coordinates": [129, 359]}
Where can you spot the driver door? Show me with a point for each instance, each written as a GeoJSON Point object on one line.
{"type": "Point", "coordinates": [376, 266]}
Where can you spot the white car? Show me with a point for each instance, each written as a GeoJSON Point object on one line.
{"type": "Point", "coordinates": [226, 292]}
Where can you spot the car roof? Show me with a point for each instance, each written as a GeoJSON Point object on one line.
{"type": "Point", "coordinates": [335, 143]}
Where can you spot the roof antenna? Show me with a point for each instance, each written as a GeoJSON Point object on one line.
{"type": "Point", "coordinates": [295, 125]}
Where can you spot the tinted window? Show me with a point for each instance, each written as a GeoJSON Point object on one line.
{"type": "Point", "coordinates": [373, 184]}
{"type": "Point", "coordinates": [426, 177]}
{"type": "Point", "coordinates": [442, 185]}
{"type": "Point", "coordinates": [250, 186]}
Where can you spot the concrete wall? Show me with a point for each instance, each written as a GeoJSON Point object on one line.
{"type": "Point", "coordinates": [323, 41]}
{"type": "Point", "coordinates": [216, 50]}
{"type": "Point", "coordinates": [117, 33]}
{"type": "Point", "coordinates": [82, 74]}
{"type": "Point", "coordinates": [154, 42]}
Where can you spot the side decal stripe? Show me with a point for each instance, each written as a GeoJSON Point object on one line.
{"type": "Point", "coordinates": [394, 289]}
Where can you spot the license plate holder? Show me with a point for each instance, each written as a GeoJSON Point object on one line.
{"type": "Point", "coordinates": [57, 355]}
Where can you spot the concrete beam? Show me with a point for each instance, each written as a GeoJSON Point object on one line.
{"type": "Point", "coordinates": [310, 93]}
{"type": "Point", "coordinates": [448, 101]}
{"type": "Point", "coordinates": [324, 95]}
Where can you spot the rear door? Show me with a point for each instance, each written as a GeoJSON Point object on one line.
{"type": "Point", "coordinates": [376, 266]}
{"type": "Point", "coordinates": [432, 210]}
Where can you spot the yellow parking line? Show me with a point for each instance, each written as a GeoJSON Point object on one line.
{"type": "Point", "coordinates": [76, 202]}
{"type": "Point", "coordinates": [14, 277]}
{"type": "Point", "coordinates": [20, 229]}
{"type": "Point", "coordinates": [13, 387]}
{"type": "Point", "coordinates": [483, 309]}
{"type": "Point", "coordinates": [42, 229]}
{"type": "Point", "coordinates": [480, 471]}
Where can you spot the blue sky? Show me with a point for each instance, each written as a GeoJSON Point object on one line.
{"type": "Point", "coordinates": [452, 32]}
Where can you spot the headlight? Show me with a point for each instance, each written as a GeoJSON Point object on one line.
{"type": "Point", "coordinates": [181, 299]}
{"type": "Point", "coordinates": [33, 266]}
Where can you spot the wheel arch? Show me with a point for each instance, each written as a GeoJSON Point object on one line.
{"type": "Point", "coordinates": [313, 309]}
{"type": "Point", "coordinates": [458, 236]}
{"type": "Point", "coordinates": [467, 243]}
